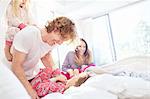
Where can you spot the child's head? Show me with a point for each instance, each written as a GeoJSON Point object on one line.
{"type": "Point", "coordinates": [23, 3]}
{"type": "Point", "coordinates": [63, 30]}
{"type": "Point", "coordinates": [16, 4]}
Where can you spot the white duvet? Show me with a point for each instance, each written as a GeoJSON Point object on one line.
{"type": "Point", "coordinates": [104, 86]}
{"type": "Point", "coordinates": [11, 87]}
{"type": "Point", "coordinates": [122, 86]}
{"type": "Point", "coordinates": [82, 93]}
{"type": "Point", "coordinates": [108, 87]}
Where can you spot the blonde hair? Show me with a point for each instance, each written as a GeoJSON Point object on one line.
{"type": "Point", "coordinates": [84, 59]}
{"type": "Point", "coordinates": [16, 6]}
{"type": "Point", "coordinates": [64, 25]}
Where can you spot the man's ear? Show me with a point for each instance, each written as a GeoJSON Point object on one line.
{"type": "Point", "coordinates": [56, 30]}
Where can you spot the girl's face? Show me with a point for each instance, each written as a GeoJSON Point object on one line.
{"type": "Point", "coordinates": [23, 3]}
{"type": "Point", "coordinates": [81, 47]}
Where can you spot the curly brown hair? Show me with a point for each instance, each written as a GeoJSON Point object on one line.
{"type": "Point", "coordinates": [64, 25]}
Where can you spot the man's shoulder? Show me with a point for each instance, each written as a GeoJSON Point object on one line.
{"type": "Point", "coordinates": [29, 30]}
{"type": "Point", "coordinates": [27, 33]}
{"type": "Point", "coordinates": [32, 28]}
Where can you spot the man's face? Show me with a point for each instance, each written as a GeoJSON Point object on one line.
{"type": "Point", "coordinates": [54, 38]}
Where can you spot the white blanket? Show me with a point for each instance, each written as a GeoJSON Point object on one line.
{"type": "Point", "coordinates": [103, 86]}
{"type": "Point", "coordinates": [107, 86]}
{"type": "Point", "coordinates": [82, 93]}
{"type": "Point", "coordinates": [122, 86]}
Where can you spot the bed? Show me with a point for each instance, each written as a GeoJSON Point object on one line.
{"type": "Point", "coordinates": [101, 86]}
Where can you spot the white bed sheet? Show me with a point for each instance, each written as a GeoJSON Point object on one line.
{"type": "Point", "coordinates": [103, 86]}
{"type": "Point", "coordinates": [11, 87]}
{"type": "Point", "coordinates": [121, 86]}
{"type": "Point", "coordinates": [82, 93]}
{"type": "Point", "coordinates": [107, 86]}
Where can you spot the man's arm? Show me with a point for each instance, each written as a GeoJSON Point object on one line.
{"type": "Point", "coordinates": [17, 62]}
{"type": "Point", "coordinates": [47, 60]}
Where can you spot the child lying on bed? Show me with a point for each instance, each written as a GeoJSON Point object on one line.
{"type": "Point", "coordinates": [49, 81]}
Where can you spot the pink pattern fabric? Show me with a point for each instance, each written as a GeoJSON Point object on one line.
{"type": "Point", "coordinates": [9, 43]}
{"type": "Point", "coordinates": [43, 85]}
{"type": "Point", "coordinates": [12, 32]}
{"type": "Point", "coordinates": [21, 26]}
{"type": "Point", "coordinates": [79, 69]}
{"type": "Point", "coordinates": [90, 65]}
{"type": "Point", "coordinates": [66, 74]}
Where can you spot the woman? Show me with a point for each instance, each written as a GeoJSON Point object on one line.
{"type": "Point", "coordinates": [17, 17]}
{"type": "Point", "coordinates": [78, 60]}
{"type": "Point", "coordinates": [32, 44]}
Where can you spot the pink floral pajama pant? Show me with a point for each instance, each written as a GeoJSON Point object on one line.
{"type": "Point", "coordinates": [43, 85]}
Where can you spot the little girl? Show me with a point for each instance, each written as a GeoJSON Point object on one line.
{"type": "Point", "coordinates": [17, 16]}
{"type": "Point", "coordinates": [50, 81]}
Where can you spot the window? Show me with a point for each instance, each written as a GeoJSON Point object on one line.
{"type": "Point", "coordinates": [131, 30]}
{"type": "Point", "coordinates": [101, 41]}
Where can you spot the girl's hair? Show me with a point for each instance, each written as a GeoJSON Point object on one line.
{"type": "Point", "coordinates": [86, 58]}
{"type": "Point", "coordinates": [64, 25]}
{"type": "Point", "coordinates": [81, 80]}
{"type": "Point", "coordinates": [16, 6]}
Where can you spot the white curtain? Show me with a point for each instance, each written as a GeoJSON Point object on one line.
{"type": "Point", "coordinates": [3, 6]}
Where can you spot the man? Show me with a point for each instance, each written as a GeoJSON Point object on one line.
{"type": "Point", "coordinates": [32, 44]}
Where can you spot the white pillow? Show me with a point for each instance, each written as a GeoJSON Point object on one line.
{"type": "Point", "coordinates": [10, 86]}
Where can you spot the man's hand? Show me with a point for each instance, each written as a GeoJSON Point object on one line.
{"type": "Point", "coordinates": [33, 94]}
